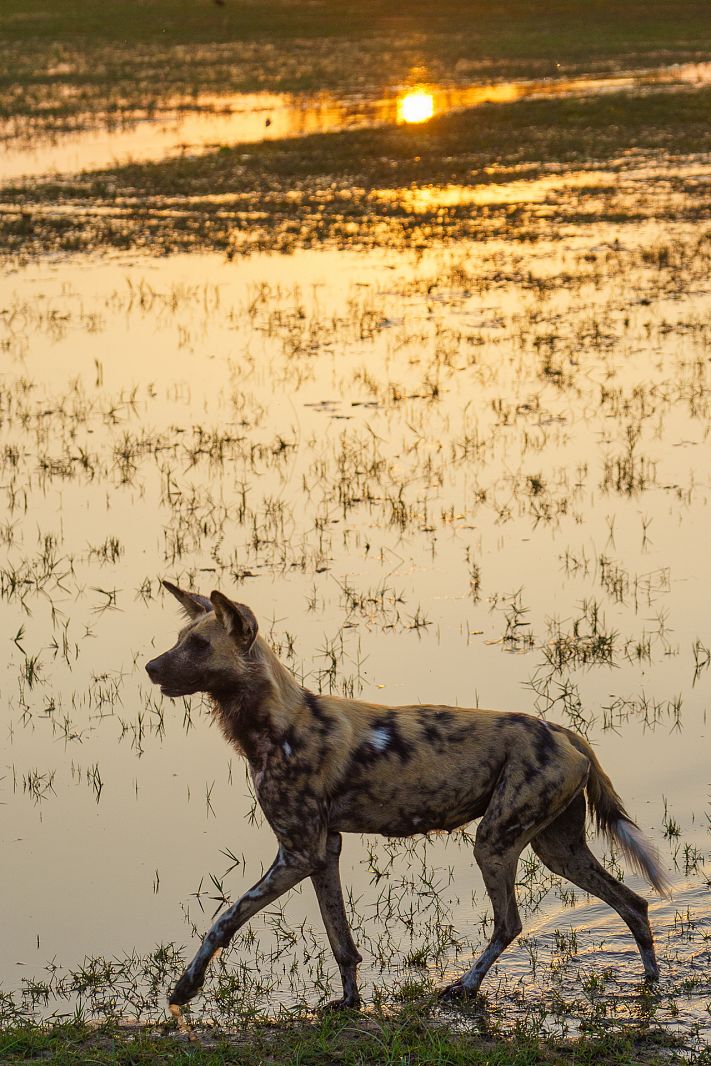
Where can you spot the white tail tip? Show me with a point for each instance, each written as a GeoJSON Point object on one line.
{"type": "Point", "coordinates": [642, 855]}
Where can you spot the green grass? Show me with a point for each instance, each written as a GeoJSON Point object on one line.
{"type": "Point", "coordinates": [352, 1040]}
{"type": "Point", "coordinates": [520, 28]}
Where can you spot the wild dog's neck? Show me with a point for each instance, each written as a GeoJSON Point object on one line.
{"type": "Point", "coordinates": [257, 713]}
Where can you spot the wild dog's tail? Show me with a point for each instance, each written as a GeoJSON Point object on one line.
{"type": "Point", "coordinates": [612, 819]}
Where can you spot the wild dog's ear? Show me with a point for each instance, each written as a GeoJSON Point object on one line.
{"type": "Point", "coordinates": [192, 603]}
{"type": "Point", "coordinates": [238, 620]}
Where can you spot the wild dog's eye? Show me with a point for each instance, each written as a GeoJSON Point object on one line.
{"type": "Point", "coordinates": [199, 643]}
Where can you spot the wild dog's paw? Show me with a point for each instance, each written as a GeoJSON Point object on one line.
{"type": "Point", "coordinates": [344, 1003]}
{"type": "Point", "coordinates": [458, 992]}
{"type": "Point", "coordinates": [185, 989]}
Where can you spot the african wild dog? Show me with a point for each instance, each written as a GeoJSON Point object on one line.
{"type": "Point", "coordinates": [323, 765]}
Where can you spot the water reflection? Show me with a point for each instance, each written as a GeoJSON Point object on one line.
{"type": "Point", "coordinates": [294, 426]}
{"type": "Point", "coordinates": [201, 123]}
{"type": "Point", "coordinates": [416, 106]}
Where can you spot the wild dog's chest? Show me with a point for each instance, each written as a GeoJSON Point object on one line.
{"type": "Point", "coordinates": [269, 766]}
{"type": "Point", "coordinates": [287, 790]}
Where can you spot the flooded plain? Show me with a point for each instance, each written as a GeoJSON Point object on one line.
{"type": "Point", "coordinates": [201, 123]}
{"type": "Point", "coordinates": [474, 474]}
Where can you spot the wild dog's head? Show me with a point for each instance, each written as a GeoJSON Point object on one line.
{"type": "Point", "coordinates": [212, 652]}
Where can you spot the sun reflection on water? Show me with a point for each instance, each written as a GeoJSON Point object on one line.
{"type": "Point", "coordinates": [415, 106]}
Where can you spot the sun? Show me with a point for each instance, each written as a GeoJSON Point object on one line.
{"type": "Point", "coordinates": [416, 106]}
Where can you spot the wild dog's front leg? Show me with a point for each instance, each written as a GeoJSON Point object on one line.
{"type": "Point", "coordinates": [327, 882]}
{"type": "Point", "coordinates": [285, 872]}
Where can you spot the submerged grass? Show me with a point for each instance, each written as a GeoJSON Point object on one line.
{"type": "Point", "coordinates": [405, 1036]}
{"type": "Point", "coordinates": [354, 188]}
{"type": "Point", "coordinates": [373, 462]}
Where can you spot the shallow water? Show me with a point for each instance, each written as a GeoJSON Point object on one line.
{"type": "Point", "coordinates": [204, 122]}
{"type": "Point", "coordinates": [421, 470]}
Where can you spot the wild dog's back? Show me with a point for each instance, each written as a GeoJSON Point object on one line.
{"type": "Point", "coordinates": [418, 768]}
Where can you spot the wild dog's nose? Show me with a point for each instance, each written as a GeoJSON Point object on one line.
{"type": "Point", "coordinates": [152, 669]}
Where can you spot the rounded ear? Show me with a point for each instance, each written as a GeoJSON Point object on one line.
{"type": "Point", "coordinates": [237, 619]}
{"type": "Point", "coordinates": [192, 603]}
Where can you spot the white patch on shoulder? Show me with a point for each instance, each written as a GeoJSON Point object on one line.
{"type": "Point", "coordinates": [287, 749]}
{"type": "Point", "coordinates": [379, 739]}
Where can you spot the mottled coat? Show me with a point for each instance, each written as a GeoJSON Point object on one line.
{"type": "Point", "coordinates": [324, 765]}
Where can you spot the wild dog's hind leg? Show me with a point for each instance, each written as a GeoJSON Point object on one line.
{"type": "Point", "coordinates": [526, 798]}
{"type": "Point", "coordinates": [327, 883]}
{"type": "Point", "coordinates": [285, 872]}
{"type": "Point", "coordinates": [563, 848]}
